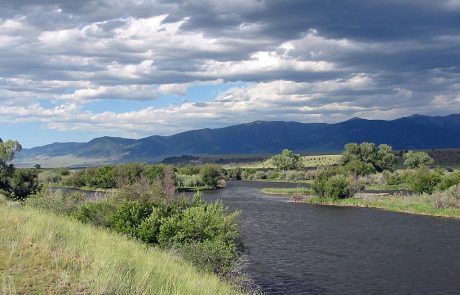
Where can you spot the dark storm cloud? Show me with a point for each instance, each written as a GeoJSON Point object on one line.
{"type": "Point", "coordinates": [328, 59]}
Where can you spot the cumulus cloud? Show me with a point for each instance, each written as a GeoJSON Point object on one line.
{"type": "Point", "coordinates": [299, 60]}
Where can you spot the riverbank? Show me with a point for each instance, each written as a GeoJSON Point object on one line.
{"type": "Point", "coordinates": [309, 181]}
{"type": "Point", "coordinates": [44, 253]}
{"type": "Point", "coordinates": [410, 204]}
{"type": "Point", "coordinates": [285, 191]}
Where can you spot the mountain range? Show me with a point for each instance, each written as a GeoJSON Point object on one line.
{"type": "Point", "coordinates": [259, 137]}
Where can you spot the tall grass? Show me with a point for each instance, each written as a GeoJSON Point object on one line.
{"type": "Point", "coordinates": [286, 191]}
{"type": "Point", "coordinates": [425, 204]}
{"type": "Point", "coordinates": [41, 253]}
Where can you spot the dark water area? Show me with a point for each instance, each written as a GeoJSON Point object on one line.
{"type": "Point", "coordinates": [296, 248]}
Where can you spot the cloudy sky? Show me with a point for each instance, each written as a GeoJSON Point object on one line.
{"type": "Point", "coordinates": [74, 70]}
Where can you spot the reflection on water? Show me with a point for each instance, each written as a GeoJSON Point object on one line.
{"type": "Point", "coordinates": [302, 248]}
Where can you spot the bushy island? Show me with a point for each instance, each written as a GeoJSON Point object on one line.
{"type": "Point", "coordinates": [376, 176]}
{"type": "Point", "coordinates": [143, 238]}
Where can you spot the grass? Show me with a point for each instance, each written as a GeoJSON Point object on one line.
{"type": "Point", "coordinates": [285, 191]}
{"type": "Point", "coordinates": [308, 161]}
{"type": "Point", "coordinates": [41, 253]}
{"type": "Point", "coordinates": [412, 204]}
{"type": "Point", "coordinates": [321, 160]}
{"type": "Point", "coordinates": [195, 188]}
{"type": "Point", "coordinates": [303, 181]}
{"type": "Point", "coordinates": [387, 187]}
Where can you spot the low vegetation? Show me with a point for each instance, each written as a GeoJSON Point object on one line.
{"type": "Point", "coordinates": [114, 177]}
{"type": "Point", "coordinates": [286, 191]}
{"type": "Point", "coordinates": [443, 204]}
{"type": "Point", "coordinates": [432, 190]}
{"type": "Point", "coordinates": [42, 253]}
{"type": "Point", "coordinates": [145, 207]}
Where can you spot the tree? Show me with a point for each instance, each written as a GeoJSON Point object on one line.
{"type": "Point", "coordinates": [287, 160]}
{"type": "Point", "coordinates": [210, 175]}
{"type": "Point", "coordinates": [386, 158]}
{"type": "Point", "coordinates": [7, 152]}
{"type": "Point", "coordinates": [24, 183]}
{"type": "Point", "coordinates": [366, 158]}
{"type": "Point", "coordinates": [417, 159]}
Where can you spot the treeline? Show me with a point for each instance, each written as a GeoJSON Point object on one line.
{"type": "Point", "coordinates": [107, 177]}
{"type": "Point", "coordinates": [365, 162]}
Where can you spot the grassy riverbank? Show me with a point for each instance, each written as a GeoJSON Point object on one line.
{"type": "Point", "coordinates": [304, 181]}
{"type": "Point", "coordinates": [285, 191]}
{"type": "Point", "coordinates": [41, 253]}
{"type": "Point", "coordinates": [413, 204]}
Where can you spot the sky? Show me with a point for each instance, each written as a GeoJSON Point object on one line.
{"type": "Point", "coordinates": [76, 70]}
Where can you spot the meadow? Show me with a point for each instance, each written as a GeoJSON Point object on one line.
{"type": "Point", "coordinates": [42, 253]}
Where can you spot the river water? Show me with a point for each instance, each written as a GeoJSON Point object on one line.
{"type": "Point", "coordinates": [296, 248]}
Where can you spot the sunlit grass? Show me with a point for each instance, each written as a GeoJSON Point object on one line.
{"type": "Point", "coordinates": [413, 204]}
{"type": "Point", "coordinates": [42, 253]}
{"type": "Point", "coordinates": [307, 161]}
{"type": "Point", "coordinates": [285, 191]}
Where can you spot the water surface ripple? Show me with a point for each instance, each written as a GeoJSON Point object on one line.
{"type": "Point", "coordinates": [308, 249]}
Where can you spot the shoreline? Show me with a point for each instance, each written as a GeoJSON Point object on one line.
{"type": "Point", "coordinates": [412, 209]}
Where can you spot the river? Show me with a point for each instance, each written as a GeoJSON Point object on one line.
{"type": "Point", "coordinates": [298, 248]}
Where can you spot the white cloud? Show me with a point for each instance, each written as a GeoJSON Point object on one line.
{"type": "Point", "coordinates": [176, 89]}
{"type": "Point", "coordinates": [130, 92]}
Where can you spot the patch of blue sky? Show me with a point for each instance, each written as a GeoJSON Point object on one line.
{"type": "Point", "coordinates": [31, 134]}
{"type": "Point", "coordinates": [196, 93]}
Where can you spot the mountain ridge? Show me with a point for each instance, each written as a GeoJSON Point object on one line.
{"type": "Point", "coordinates": [258, 137]}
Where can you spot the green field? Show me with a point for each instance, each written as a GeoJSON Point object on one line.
{"type": "Point", "coordinates": [42, 253]}
{"type": "Point", "coordinates": [313, 161]}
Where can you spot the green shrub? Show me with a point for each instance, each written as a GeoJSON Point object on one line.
{"type": "Point", "coordinates": [424, 180]}
{"type": "Point", "coordinates": [57, 202]}
{"type": "Point", "coordinates": [99, 213]}
{"type": "Point", "coordinates": [189, 170]}
{"type": "Point", "coordinates": [24, 183]}
{"type": "Point", "coordinates": [234, 173]}
{"type": "Point", "coordinates": [259, 175]}
{"type": "Point", "coordinates": [155, 172]}
{"type": "Point", "coordinates": [273, 175]}
{"type": "Point", "coordinates": [129, 216]}
{"type": "Point", "coordinates": [128, 174]}
{"type": "Point", "coordinates": [337, 187]}
{"type": "Point", "coordinates": [417, 159]}
{"type": "Point", "coordinates": [149, 229]}
{"type": "Point", "coordinates": [210, 175]}
{"type": "Point", "coordinates": [392, 178]}
{"type": "Point", "coordinates": [294, 175]}
{"type": "Point", "coordinates": [199, 223]}
{"type": "Point", "coordinates": [287, 160]}
{"type": "Point", "coordinates": [366, 158]}
{"type": "Point", "coordinates": [319, 184]}
{"type": "Point", "coordinates": [210, 255]}
{"type": "Point", "coordinates": [106, 177]}
{"type": "Point", "coordinates": [449, 180]}
{"type": "Point", "coordinates": [358, 167]}
{"type": "Point", "coordinates": [185, 180]}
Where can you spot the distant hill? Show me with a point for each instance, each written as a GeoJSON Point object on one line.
{"type": "Point", "coordinates": [260, 137]}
